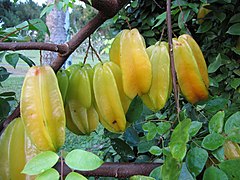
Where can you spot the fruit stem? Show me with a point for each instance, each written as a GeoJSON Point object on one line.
{"type": "Point", "coordinates": [174, 79]}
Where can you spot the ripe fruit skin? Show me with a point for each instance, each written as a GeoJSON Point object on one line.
{"type": "Point", "coordinates": [161, 86]}
{"type": "Point", "coordinates": [108, 99]}
{"type": "Point", "coordinates": [129, 52]}
{"type": "Point", "coordinates": [231, 150]}
{"type": "Point", "coordinates": [188, 72]}
{"type": "Point", "coordinates": [81, 115]}
{"type": "Point", "coordinates": [42, 108]}
{"type": "Point", "coordinates": [16, 150]}
{"type": "Point", "coordinates": [62, 76]}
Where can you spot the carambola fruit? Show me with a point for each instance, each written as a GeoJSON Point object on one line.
{"type": "Point", "coordinates": [129, 52]}
{"type": "Point", "coordinates": [81, 116]}
{"type": "Point", "coordinates": [42, 108]}
{"type": "Point", "coordinates": [16, 150]}
{"type": "Point", "coordinates": [191, 69]}
{"type": "Point", "coordinates": [161, 86]}
{"type": "Point", "coordinates": [111, 101]}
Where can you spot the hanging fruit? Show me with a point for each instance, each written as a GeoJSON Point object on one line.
{"type": "Point", "coordinates": [129, 52]}
{"type": "Point", "coordinates": [191, 69]}
{"type": "Point", "coordinates": [161, 86]}
{"type": "Point", "coordinates": [42, 108]}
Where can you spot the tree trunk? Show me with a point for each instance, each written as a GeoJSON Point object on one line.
{"type": "Point", "coordinates": [56, 22]}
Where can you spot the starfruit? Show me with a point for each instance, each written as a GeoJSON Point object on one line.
{"type": "Point", "coordinates": [190, 72]}
{"type": "Point", "coordinates": [109, 96]}
{"type": "Point", "coordinates": [62, 76]}
{"type": "Point", "coordinates": [42, 108]}
{"type": "Point", "coordinates": [81, 115]}
{"type": "Point", "coordinates": [129, 52]}
{"type": "Point", "coordinates": [231, 150]}
{"type": "Point", "coordinates": [161, 86]}
{"type": "Point", "coordinates": [16, 150]}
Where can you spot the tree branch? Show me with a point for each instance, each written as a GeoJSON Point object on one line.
{"type": "Point", "coordinates": [14, 46]}
{"type": "Point", "coordinates": [117, 170]}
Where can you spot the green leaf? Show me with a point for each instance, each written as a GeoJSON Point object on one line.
{"type": "Point", "coordinates": [237, 51]}
{"type": "Point", "coordinates": [40, 163]}
{"type": "Point", "coordinates": [213, 173]}
{"type": "Point", "coordinates": [144, 146]}
{"type": "Point", "coordinates": [216, 105]}
{"type": "Point", "coordinates": [4, 108]}
{"type": "Point", "coordinates": [234, 135]}
{"type": "Point", "coordinates": [38, 25]}
{"type": "Point", "coordinates": [2, 54]}
{"type": "Point", "coordinates": [205, 26]}
{"type": "Point", "coordinates": [82, 160]}
{"type": "Point", "coordinates": [219, 154]}
{"type": "Point", "coordinates": [131, 136]}
{"type": "Point", "coordinates": [196, 160]}
{"type": "Point", "coordinates": [163, 127]}
{"type": "Point", "coordinates": [183, 17]}
{"type": "Point", "coordinates": [139, 177]}
{"type": "Point", "coordinates": [235, 18]}
{"type": "Point", "coordinates": [155, 150]}
{"type": "Point", "coordinates": [134, 4]}
{"type": "Point", "coordinates": [151, 128]}
{"type": "Point", "coordinates": [75, 176]}
{"type": "Point", "coordinates": [185, 174]}
{"type": "Point", "coordinates": [231, 168]}
{"type": "Point", "coordinates": [148, 33]}
{"type": "Point", "coordinates": [215, 124]}
{"type": "Point", "coordinates": [233, 122]}
{"type": "Point", "coordinates": [171, 168]}
{"type": "Point", "coordinates": [194, 128]}
{"type": "Point", "coordinates": [12, 59]}
{"type": "Point", "coordinates": [234, 29]}
{"type": "Point", "coordinates": [51, 174]}
{"type": "Point", "coordinates": [213, 67]}
{"type": "Point", "coordinates": [3, 74]}
{"type": "Point", "coordinates": [46, 10]}
{"type": "Point", "coordinates": [179, 139]}
{"type": "Point", "coordinates": [135, 110]}
{"type": "Point", "coordinates": [27, 60]}
{"type": "Point", "coordinates": [10, 93]}
{"type": "Point", "coordinates": [213, 141]}
{"type": "Point", "coordinates": [235, 83]}
{"type": "Point", "coordinates": [123, 149]}
{"type": "Point", "coordinates": [156, 173]}
{"type": "Point", "coordinates": [160, 19]}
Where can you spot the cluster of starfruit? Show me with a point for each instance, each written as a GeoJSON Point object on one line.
{"type": "Point", "coordinates": [16, 149]}
{"type": "Point", "coordinates": [76, 86]}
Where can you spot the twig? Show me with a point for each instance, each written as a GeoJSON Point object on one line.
{"type": "Point", "coordinates": [129, 26]}
{"type": "Point", "coordinates": [85, 58]}
{"type": "Point", "coordinates": [169, 26]}
{"type": "Point", "coordinates": [163, 29]}
{"type": "Point", "coordinates": [157, 4]}
{"type": "Point", "coordinates": [41, 58]}
{"type": "Point", "coordinates": [94, 50]}
{"type": "Point", "coordinates": [62, 164]}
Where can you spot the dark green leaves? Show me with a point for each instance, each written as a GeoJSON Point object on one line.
{"type": "Point", "coordinates": [82, 160]}
{"type": "Point", "coordinates": [232, 123]}
{"type": "Point", "coordinates": [196, 160]}
{"type": "Point", "coordinates": [3, 74]}
{"type": "Point", "coordinates": [194, 128]}
{"type": "Point", "coordinates": [234, 29]}
{"type": "Point", "coordinates": [135, 110]}
{"type": "Point", "coordinates": [213, 173]}
{"type": "Point", "coordinates": [179, 139]}
{"type": "Point", "coordinates": [12, 59]}
{"type": "Point", "coordinates": [216, 122]}
{"type": "Point", "coordinates": [213, 141]}
{"type": "Point", "coordinates": [231, 168]}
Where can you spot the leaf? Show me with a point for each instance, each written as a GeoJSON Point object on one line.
{"type": "Point", "coordinates": [156, 173]}
{"type": "Point", "coordinates": [10, 93]}
{"type": "Point", "coordinates": [163, 127]}
{"type": "Point", "coordinates": [144, 146]}
{"type": "Point", "coordinates": [2, 54]}
{"type": "Point", "coordinates": [185, 174]}
{"type": "Point", "coordinates": [219, 154]}
{"type": "Point", "coordinates": [123, 149]}
{"type": "Point", "coordinates": [233, 122]}
{"type": "Point", "coordinates": [46, 10]}
{"type": "Point", "coordinates": [155, 150]}
{"type": "Point", "coordinates": [234, 29]}
{"type": "Point", "coordinates": [27, 60]}
{"type": "Point", "coordinates": [40, 163]}
{"type": "Point", "coordinates": [215, 124]}
{"type": "Point", "coordinates": [48, 174]}
{"type": "Point", "coordinates": [151, 128]}
{"type": "Point", "coordinates": [3, 74]}
{"type": "Point", "coordinates": [179, 139]}
{"type": "Point", "coordinates": [183, 17]}
{"type": "Point", "coordinates": [135, 110]}
{"type": "Point", "coordinates": [140, 177]}
{"type": "Point", "coordinates": [160, 19]}
{"type": "Point", "coordinates": [148, 33]}
{"type": "Point", "coordinates": [82, 160]}
{"type": "Point", "coordinates": [231, 168]}
{"type": "Point", "coordinates": [131, 136]}
{"type": "Point", "coordinates": [213, 67]}
{"type": "Point", "coordinates": [235, 83]}
{"type": "Point", "coordinates": [194, 128]}
{"type": "Point", "coordinates": [215, 105]}
{"type": "Point", "coordinates": [5, 108]}
{"type": "Point", "coordinates": [213, 173]}
{"type": "Point", "coordinates": [75, 176]}
{"type": "Point", "coordinates": [196, 160]}
{"type": "Point", "coordinates": [38, 25]}
{"type": "Point", "coordinates": [205, 26]}
{"type": "Point", "coordinates": [171, 168]}
{"type": "Point", "coordinates": [235, 18]}
{"type": "Point", "coordinates": [12, 59]}
{"type": "Point", "coordinates": [234, 135]}
{"type": "Point", "coordinates": [213, 141]}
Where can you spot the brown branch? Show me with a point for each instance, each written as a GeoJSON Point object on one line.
{"type": "Point", "coordinates": [117, 170]}
{"type": "Point", "coordinates": [169, 27]}
{"type": "Point", "coordinates": [14, 46]}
